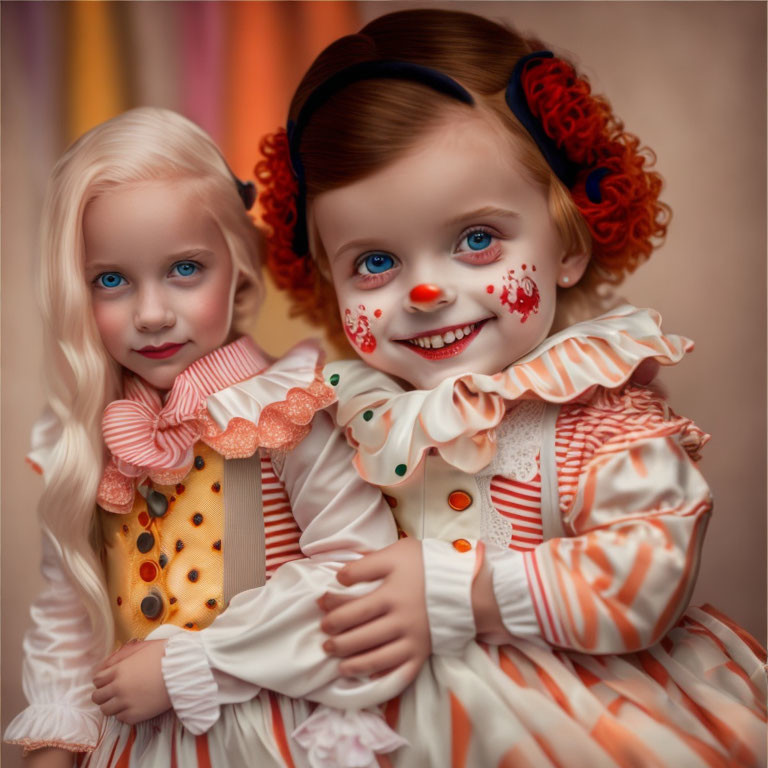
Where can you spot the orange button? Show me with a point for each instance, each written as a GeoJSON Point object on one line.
{"type": "Point", "coordinates": [148, 571]}
{"type": "Point", "coordinates": [462, 545]}
{"type": "Point", "coordinates": [459, 500]}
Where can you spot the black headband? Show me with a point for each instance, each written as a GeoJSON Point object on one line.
{"type": "Point", "coordinates": [365, 70]}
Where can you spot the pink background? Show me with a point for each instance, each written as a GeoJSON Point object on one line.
{"type": "Point", "coordinates": [689, 79]}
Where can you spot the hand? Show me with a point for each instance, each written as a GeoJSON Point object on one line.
{"type": "Point", "coordinates": [130, 685]}
{"type": "Point", "coordinates": [49, 757]}
{"type": "Point", "coordinates": [387, 628]}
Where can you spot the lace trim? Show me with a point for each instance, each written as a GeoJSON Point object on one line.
{"type": "Point", "coordinates": [518, 442]}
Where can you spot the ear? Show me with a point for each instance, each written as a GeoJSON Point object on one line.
{"type": "Point", "coordinates": [572, 267]}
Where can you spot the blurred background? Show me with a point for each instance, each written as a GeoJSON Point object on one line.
{"type": "Point", "coordinates": [688, 77]}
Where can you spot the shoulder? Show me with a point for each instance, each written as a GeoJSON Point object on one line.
{"type": "Point", "coordinates": [624, 415]}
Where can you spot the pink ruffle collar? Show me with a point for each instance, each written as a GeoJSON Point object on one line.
{"type": "Point", "coordinates": [392, 428]}
{"type": "Point", "coordinates": [236, 400]}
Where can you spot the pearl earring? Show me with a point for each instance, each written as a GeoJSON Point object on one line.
{"type": "Point", "coordinates": [565, 279]}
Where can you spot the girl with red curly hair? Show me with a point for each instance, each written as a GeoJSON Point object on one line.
{"type": "Point", "coordinates": [447, 194]}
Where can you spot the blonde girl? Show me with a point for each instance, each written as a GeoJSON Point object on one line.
{"type": "Point", "coordinates": [444, 189]}
{"type": "Point", "coordinates": [182, 466]}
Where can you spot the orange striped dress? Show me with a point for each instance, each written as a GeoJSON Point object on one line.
{"type": "Point", "coordinates": [582, 493]}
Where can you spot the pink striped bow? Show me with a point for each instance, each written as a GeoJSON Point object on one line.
{"type": "Point", "coordinates": [149, 435]}
{"type": "Point", "coordinates": [144, 434]}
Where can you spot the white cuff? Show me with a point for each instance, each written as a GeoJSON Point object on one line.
{"type": "Point", "coordinates": [510, 588]}
{"type": "Point", "coordinates": [190, 682]}
{"type": "Point", "coordinates": [333, 738]}
{"type": "Point", "coordinates": [55, 725]}
{"type": "Point", "coordinates": [448, 578]}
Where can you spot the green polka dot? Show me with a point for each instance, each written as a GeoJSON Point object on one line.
{"type": "Point", "coordinates": [368, 415]}
{"type": "Point", "coordinates": [401, 469]}
{"type": "Point", "coordinates": [334, 379]}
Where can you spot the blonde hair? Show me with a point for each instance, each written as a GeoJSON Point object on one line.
{"type": "Point", "coordinates": [146, 144]}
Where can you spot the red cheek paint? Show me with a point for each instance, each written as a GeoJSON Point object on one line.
{"type": "Point", "coordinates": [377, 313]}
{"type": "Point", "coordinates": [520, 296]}
{"type": "Point", "coordinates": [358, 328]}
{"type": "Point", "coordinates": [533, 267]}
{"type": "Point", "coordinates": [490, 289]}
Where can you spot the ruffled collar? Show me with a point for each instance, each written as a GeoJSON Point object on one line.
{"type": "Point", "coordinates": [391, 428]}
{"type": "Point", "coordinates": [236, 400]}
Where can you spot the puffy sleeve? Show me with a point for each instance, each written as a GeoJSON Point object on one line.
{"type": "Point", "coordinates": [634, 508]}
{"type": "Point", "coordinates": [270, 637]}
{"type": "Point", "coordinates": [59, 650]}
{"type": "Point", "coordinates": [59, 658]}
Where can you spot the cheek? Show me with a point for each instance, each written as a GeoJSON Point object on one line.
{"type": "Point", "coordinates": [519, 293]}
{"type": "Point", "coordinates": [111, 321]}
{"type": "Point", "coordinates": [357, 325]}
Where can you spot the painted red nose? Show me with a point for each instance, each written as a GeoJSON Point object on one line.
{"type": "Point", "coordinates": [425, 293]}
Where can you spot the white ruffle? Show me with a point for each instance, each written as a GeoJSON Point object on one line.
{"type": "Point", "coordinates": [345, 739]}
{"type": "Point", "coordinates": [45, 432]}
{"type": "Point", "coordinates": [392, 428]}
{"type": "Point", "coordinates": [55, 725]}
{"type": "Point", "coordinates": [247, 399]}
{"type": "Point", "coordinates": [512, 593]}
{"type": "Point", "coordinates": [448, 578]}
{"type": "Point", "coordinates": [190, 682]}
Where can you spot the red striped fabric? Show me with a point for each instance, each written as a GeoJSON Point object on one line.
{"type": "Point", "coordinates": [520, 504]}
{"type": "Point", "coordinates": [281, 532]}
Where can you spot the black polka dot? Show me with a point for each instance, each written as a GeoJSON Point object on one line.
{"type": "Point", "coordinates": [179, 545]}
{"type": "Point", "coordinates": [193, 575]}
{"type": "Point", "coordinates": [199, 462]}
{"type": "Point", "coordinates": [197, 518]}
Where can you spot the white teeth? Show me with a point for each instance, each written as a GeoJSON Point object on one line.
{"type": "Point", "coordinates": [440, 340]}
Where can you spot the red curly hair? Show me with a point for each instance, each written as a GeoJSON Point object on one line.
{"type": "Point", "coordinates": [364, 127]}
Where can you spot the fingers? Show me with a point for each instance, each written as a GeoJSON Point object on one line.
{"type": "Point", "coordinates": [101, 695]}
{"type": "Point", "coordinates": [331, 600]}
{"type": "Point", "coordinates": [104, 676]}
{"type": "Point", "coordinates": [365, 638]}
{"type": "Point", "coordinates": [368, 568]}
{"type": "Point", "coordinates": [353, 613]}
{"type": "Point", "coordinates": [385, 657]}
{"type": "Point", "coordinates": [107, 702]}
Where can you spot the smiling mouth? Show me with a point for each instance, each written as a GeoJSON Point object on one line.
{"type": "Point", "coordinates": [158, 353]}
{"type": "Point", "coordinates": [445, 342]}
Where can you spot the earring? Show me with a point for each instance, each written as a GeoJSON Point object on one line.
{"type": "Point", "coordinates": [565, 279]}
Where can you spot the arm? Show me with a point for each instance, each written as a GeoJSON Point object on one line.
{"type": "Point", "coordinates": [634, 509]}
{"type": "Point", "coordinates": [270, 637]}
{"type": "Point", "coordinates": [59, 656]}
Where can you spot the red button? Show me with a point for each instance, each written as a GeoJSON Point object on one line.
{"type": "Point", "coordinates": [459, 500]}
{"type": "Point", "coordinates": [148, 571]}
{"type": "Point", "coordinates": [462, 545]}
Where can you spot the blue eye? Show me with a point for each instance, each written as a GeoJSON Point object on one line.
{"type": "Point", "coordinates": [375, 263]}
{"type": "Point", "coordinates": [478, 241]}
{"type": "Point", "coordinates": [110, 280]}
{"type": "Point", "coordinates": [185, 268]}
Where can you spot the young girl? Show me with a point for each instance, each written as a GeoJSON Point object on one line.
{"type": "Point", "coordinates": [174, 452]}
{"type": "Point", "coordinates": [449, 186]}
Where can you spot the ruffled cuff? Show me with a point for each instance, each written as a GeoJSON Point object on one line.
{"type": "Point", "coordinates": [510, 588]}
{"type": "Point", "coordinates": [55, 725]}
{"type": "Point", "coordinates": [448, 575]}
{"type": "Point", "coordinates": [190, 682]}
{"type": "Point", "coordinates": [334, 738]}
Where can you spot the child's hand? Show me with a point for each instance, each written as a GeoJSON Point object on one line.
{"type": "Point", "coordinates": [386, 628]}
{"type": "Point", "coordinates": [130, 685]}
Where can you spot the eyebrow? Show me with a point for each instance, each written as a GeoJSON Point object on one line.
{"type": "Point", "coordinates": [481, 213]}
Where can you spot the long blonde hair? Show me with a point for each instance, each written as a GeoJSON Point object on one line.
{"type": "Point", "coordinates": [140, 145]}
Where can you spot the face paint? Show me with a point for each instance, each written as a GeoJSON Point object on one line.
{"type": "Point", "coordinates": [489, 289]}
{"type": "Point", "coordinates": [377, 313]}
{"type": "Point", "coordinates": [358, 328]}
{"type": "Point", "coordinates": [520, 296]}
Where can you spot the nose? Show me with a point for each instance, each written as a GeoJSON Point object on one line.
{"type": "Point", "coordinates": [153, 311]}
{"type": "Point", "coordinates": [427, 297]}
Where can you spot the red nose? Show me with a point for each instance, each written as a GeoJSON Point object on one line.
{"type": "Point", "coordinates": [425, 293]}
